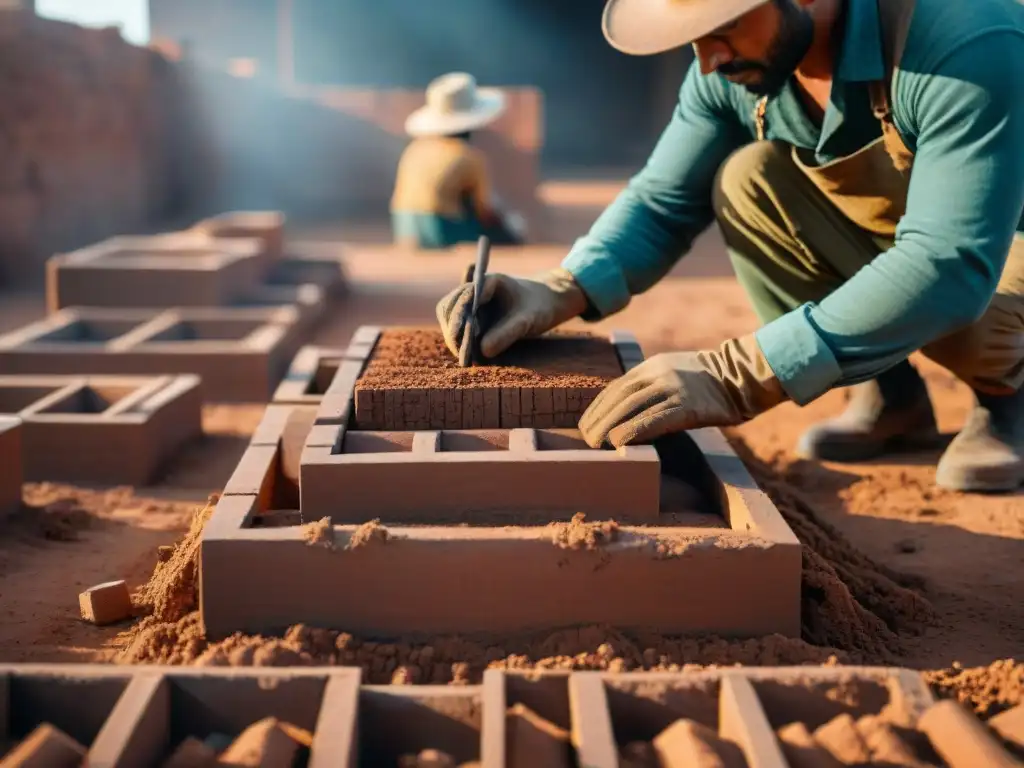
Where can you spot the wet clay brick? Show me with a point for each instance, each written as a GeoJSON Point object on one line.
{"type": "Point", "coordinates": [45, 747]}
{"type": "Point", "coordinates": [262, 745]}
{"type": "Point", "coordinates": [11, 460]}
{"type": "Point", "coordinates": [106, 603]}
{"type": "Point", "coordinates": [1010, 726]}
{"type": "Point", "coordinates": [686, 744]}
{"type": "Point", "coordinates": [542, 383]}
{"type": "Point", "coordinates": [961, 739]}
{"type": "Point", "coordinates": [802, 751]}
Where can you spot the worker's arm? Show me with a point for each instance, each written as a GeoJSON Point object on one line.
{"type": "Point", "coordinates": [654, 220]}
{"type": "Point", "coordinates": [966, 125]}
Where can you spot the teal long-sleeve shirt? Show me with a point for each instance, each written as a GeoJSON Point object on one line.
{"type": "Point", "coordinates": [958, 105]}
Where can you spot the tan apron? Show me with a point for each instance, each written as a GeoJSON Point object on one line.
{"type": "Point", "coordinates": [870, 186]}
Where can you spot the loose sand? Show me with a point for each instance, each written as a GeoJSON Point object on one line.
{"type": "Point", "coordinates": [895, 570]}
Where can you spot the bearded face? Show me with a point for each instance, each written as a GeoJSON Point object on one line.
{"type": "Point", "coordinates": [760, 50]}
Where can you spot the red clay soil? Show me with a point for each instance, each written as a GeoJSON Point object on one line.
{"type": "Point", "coordinates": [417, 358]}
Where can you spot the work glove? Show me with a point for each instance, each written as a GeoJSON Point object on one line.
{"type": "Point", "coordinates": [516, 308]}
{"type": "Point", "coordinates": [678, 391]}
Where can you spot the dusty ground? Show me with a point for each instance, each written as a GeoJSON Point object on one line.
{"type": "Point", "coordinates": [962, 555]}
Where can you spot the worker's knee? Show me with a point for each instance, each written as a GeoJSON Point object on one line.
{"type": "Point", "coordinates": [987, 355]}
{"type": "Point", "coordinates": [743, 184]}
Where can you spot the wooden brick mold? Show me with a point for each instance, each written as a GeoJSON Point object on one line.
{"type": "Point", "coordinates": [240, 354]}
{"type": "Point", "coordinates": [11, 464]}
{"type": "Point", "coordinates": [102, 429]}
{"type": "Point", "coordinates": [176, 269]}
{"type": "Point", "coordinates": [763, 717]}
{"type": "Point", "coordinates": [507, 570]}
{"type": "Point", "coordinates": [266, 226]}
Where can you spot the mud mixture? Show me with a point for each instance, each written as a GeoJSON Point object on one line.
{"type": "Point", "coordinates": [417, 358]}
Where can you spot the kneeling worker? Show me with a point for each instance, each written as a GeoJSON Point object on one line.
{"type": "Point", "coordinates": [443, 192]}
{"type": "Point", "coordinates": [865, 162]}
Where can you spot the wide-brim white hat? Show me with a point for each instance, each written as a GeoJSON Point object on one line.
{"type": "Point", "coordinates": [455, 105]}
{"type": "Point", "coordinates": [645, 27]}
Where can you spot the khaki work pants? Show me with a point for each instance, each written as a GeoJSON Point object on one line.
{"type": "Point", "coordinates": [790, 245]}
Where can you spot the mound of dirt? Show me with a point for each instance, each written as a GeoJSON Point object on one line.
{"type": "Point", "coordinates": [987, 690]}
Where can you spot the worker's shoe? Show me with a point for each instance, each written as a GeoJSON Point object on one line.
{"type": "Point", "coordinates": [888, 414]}
{"type": "Point", "coordinates": [988, 454]}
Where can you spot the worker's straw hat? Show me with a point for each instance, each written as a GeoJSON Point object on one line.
{"type": "Point", "coordinates": [643, 27]}
{"type": "Point", "coordinates": [455, 105]}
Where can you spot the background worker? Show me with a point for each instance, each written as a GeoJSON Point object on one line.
{"type": "Point", "coordinates": [443, 192]}
{"type": "Point", "coordinates": [865, 162]}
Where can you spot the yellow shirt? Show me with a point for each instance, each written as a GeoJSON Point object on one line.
{"type": "Point", "coordinates": [436, 175]}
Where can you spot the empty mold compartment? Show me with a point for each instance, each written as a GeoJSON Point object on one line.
{"type": "Point", "coordinates": [309, 375]}
{"type": "Point", "coordinates": [394, 723]}
{"type": "Point", "coordinates": [87, 332]}
{"type": "Point", "coordinates": [560, 440]}
{"type": "Point", "coordinates": [77, 704]}
{"type": "Point", "coordinates": [179, 258]}
{"type": "Point", "coordinates": [15, 398]}
{"type": "Point", "coordinates": [206, 330]}
{"type": "Point", "coordinates": [376, 442]}
{"type": "Point", "coordinates": [88, 400]}
{"type": "Point", "coordinates": [473, 441]}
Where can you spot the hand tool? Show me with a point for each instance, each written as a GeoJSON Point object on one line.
{"type": "Point", "coordinates": [469, 351]}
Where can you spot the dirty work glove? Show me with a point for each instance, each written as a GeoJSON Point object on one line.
{"type": "Point", "coordinates": [516, 308]}
{"type": "Point", "coordinates": [678, 391]}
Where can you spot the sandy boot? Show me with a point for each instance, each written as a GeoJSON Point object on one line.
{"type": "Point", "coordinates": [888, 414]}
{"type": "Point", "coordinates": [988, 454]}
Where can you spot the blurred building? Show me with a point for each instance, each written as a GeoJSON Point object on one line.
{"type": "Point", "coordinates": [603, 109]}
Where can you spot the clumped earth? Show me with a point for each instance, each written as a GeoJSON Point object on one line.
{"type": "Point", "coordinates": [855, 611]}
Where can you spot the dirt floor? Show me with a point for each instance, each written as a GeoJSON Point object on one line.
{"type": "Point", "coordinates": [896, 570]}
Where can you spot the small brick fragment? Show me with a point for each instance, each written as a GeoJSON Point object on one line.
{"type": "Point", "coordinates": [885, 743]}
{"type": "Point", "coordinates": [45, 747]}
{"type": "Point", "coordinates": [534, 741]}
{"type": "Point", "coordinates": [191, 753]}
{"type": "Point", "coordinates": [686, 744]}
{"type": "Point", "coordinates": [841, 737]}
{"type": "Point", "coordinates": [802, 751]}
{"type": "Point", "coordinates": [264, 744]}
{"type": "Point", "coordinates": [106, 603]}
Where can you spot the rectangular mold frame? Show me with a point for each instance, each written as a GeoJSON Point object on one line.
{"type": "Point", "coordinates": [244, 370]}
{"type": "Point", "coordinates": [131, 716]}
{"type": "Point", "coordinates": [127, 443]}
{"type": "Point", "coordinates": [12, 473]}
{"type": "Point", "coordinates": [534, 472]}
{"type": "Point", "coordinates": [750, 573]}
{"type": "Point", "coordinates": [309, 300]}
{"type": "Point", "coordinates": [611, 710]}
{"type": "Point", "coordinates": [155, 271]}
{"type": "Point", "coordinates": [267, 226]}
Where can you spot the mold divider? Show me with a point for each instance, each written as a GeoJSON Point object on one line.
{"type": "Point", "coordinates": [492, 728]}
{"type": "Point", "coordinates": [592, 733]}
{"type": "Point", "coordinates": [137, 731]}
{"type": "Point", "coordinates": [146, 329]}
{"type": "Point", "coordinates": [336, 737]}
{"type": "Point", "coordinates": [142, 390]}
{"type": "Point", "coordinates": [61, 393]}
{"type": "Point", "coordinates": [742, 719]}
